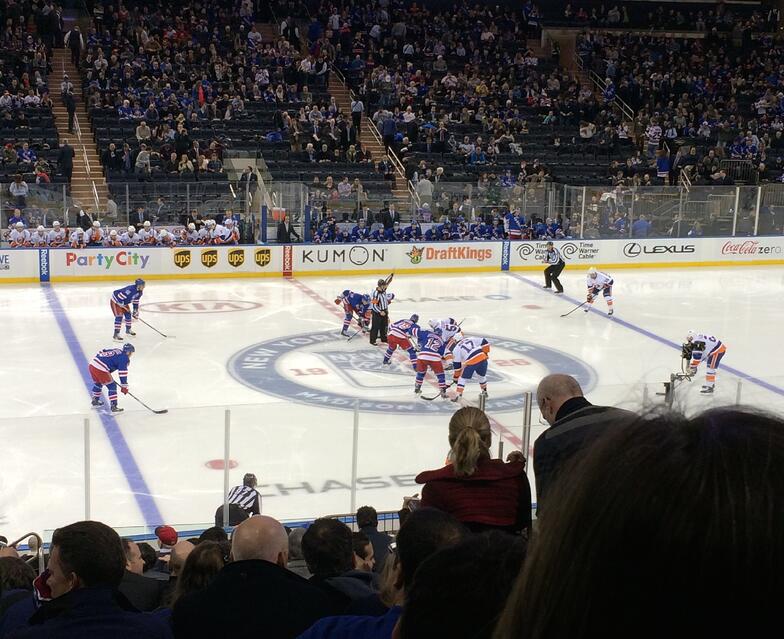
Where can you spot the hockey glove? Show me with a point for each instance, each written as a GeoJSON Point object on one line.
{"type": "Point", "coordinates": [124, 390]}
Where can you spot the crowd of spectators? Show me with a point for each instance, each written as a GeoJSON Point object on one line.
{"type": "Point", "coordinates": [677, 507]}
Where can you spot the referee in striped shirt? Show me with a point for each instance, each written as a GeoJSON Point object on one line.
{"type": "Point", "coordinates": [555, 265]}
{"type": "Point", "coordinates": [379, 306]}
{"type": "Point", "coordinates": [246, 496]}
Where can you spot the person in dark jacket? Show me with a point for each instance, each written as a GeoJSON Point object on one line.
{"type": "Point", "coordinates": [253, 596]}
{"type": "Point", "coordinates": [367, 522]}
{"type": "Point", "coordinates": [85, 569]}
{"type": "Point", "coordinates": [482, 493]}
{"type": "Point", "coordinates": [70, 107]}
{"type": "Point", "coordinates": [286, 230]}
{"type": "Point", "coordinates": [143, 593]}
{"type": "Point", "coordinates": [84, 221]}
{"type": "Point", "coordinates": [329, 554]}
{"type": "Point", "coordinates": [65, 159]}
{"type": "Point", "coordinates": [575, 424]}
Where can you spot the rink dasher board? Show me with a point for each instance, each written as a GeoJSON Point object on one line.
{"type": "Point", "coordinates": [258, 261]}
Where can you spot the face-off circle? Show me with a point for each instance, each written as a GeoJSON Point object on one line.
{"type": "Point", "coordinates": [321, 369]}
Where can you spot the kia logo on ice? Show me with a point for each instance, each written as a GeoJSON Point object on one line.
{"type": "Point", "coordinates": [633, 249]}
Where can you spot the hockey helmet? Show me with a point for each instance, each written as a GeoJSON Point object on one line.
{"type": "Point", "coordinates": [55, 224]}
{"type": "Point", "coordinates": [191, 227]}
{"type": "Point", "coordinates": [147, 224]}
{"type": "Point", "coordinates": [131, 229]}
{"type": "Point", "coordinates": [346, 293]}
{"type": "Point", "coordinates": [128, 348]}
{"type": "Point", "coordinates": [113, 233]}
{"type": "Point", "coordinates": [433, 324]}
{"type": "Point", "coordinates": [20, 225]}
{"type": "Point", "coordinates": [592, 272]}
{"type": "Point", "coordinates": [690, 335]}
{"type": "Point", "coordinates": [366, 299]}
{"type": "Point", "coordinates": [140, 282]}
{"type": "Point", "coordinates": [415, 318]}
{"type": "Point", "coordinates": [97, 224]}
{"type": "Point", "coordinates": [40, 228]}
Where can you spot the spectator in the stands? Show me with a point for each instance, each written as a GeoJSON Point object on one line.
{"type": "Point", "coordinates": [297, 563]}
{"type": "Point", "coordinates": [329, 553]}
{"type": "Point", "coordinates": [143, 132]}
{"type": "Point", "coordinates": [367, 522]}
{"type": "Point", "coordinates": [481, 492]}
{"type": "Point", "coordinates": [686, 509]}
{"type": "Point", "coordinates": [199, 567]}
{"type": "Point", "coordinates": [424, 533]}
{"type": "Point", "coordinates": [86, 567]}
{"type": "Point", "coordinates": [575, 424]}
{"type": "Point", "coordinates": [144, 593]}
{"type": "Point", "coordinates": [19, 191]}
{"type": "Point", "coordinates": [641, 227]}
{"type": "Point", "coordinates": [65, 160]}
{"type": "Point", "coordinates": [364, 558]}
{"type": "Point", "coordinates": [282, 603]}
{"type": "Point", "coordinates": [460, 591]}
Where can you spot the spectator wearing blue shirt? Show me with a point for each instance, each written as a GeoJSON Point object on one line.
{"type": "Point", "coordinates": [641, 228]}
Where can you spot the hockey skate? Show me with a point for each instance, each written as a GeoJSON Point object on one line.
{"type": "Point", "coordinates": [128, 331]}
{"type": "Point", "coordinates": [443, 393]}
{"type": "Point", "coordinates": [344, 332]}
{"type": "Point", "coordinates": [483, 394]}
{"type": "Point", "coordinates": [457, 397]}
{"type": "Point", "coordinates": [116, 337]}
{"type": "Point", "coordinates": [97, 401]}
{"type": "Point", "coordinates": [586, 309]}
{"type": "Point", "coordinates": [386, 362]}
{"type": "Point", "coordinates": [417, 390]}
{"type": "Point", "coordinates": [610, 312]}
{"type": "Point", "coordinates": [116, 409]}
{"type": "Point", "coordinates": [707, 390]}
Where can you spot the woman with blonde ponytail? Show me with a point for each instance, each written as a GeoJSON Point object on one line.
{"type": "Point", "coordinates": [483, 493]}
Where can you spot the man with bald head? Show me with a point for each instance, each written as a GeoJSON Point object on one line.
{"type": "Point", "coordinates": [254, 595]}
{"type": "Point", "coordinates": [575, 424]}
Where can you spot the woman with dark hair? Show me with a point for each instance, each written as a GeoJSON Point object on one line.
{"type": "Point", "coordinates": [670, 527]}
{"type": "Point", "coordinates": [482, 493]}
{"type": "Point", "coordinates": [204, 562]}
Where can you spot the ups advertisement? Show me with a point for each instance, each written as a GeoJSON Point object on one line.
{"type": "Point", "coordinates": [224, 259]}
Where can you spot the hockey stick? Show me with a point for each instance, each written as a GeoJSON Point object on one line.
{"type": "Point", "coordinates": [430, 399]}
{"type": "Point", "coordinates": [157, 412]}
{"type": "Point", "coordinates": [575, 308]}
{"type": "Point", "coordinates": [153, 328]}
{"type": "Point", "coordinates": [353, 335]}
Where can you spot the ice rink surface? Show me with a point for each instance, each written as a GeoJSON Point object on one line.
{"type": "Point", "coordinates": [270, 352]}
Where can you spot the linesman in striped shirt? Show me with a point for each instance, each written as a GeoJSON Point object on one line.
{"type": "Point", "coordinates": [379, 305]}
{"type": "Point", "coordinates": [555, 264]}
{"type": "Point", "coordinates": [246, 496]}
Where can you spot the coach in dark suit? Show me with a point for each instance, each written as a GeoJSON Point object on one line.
{"type": "Point", "coordinates": [575, 424]}
{"type": "Point", "coordinates": [286, 230]}
{"type": "Point", "coordinates": [65, 160]}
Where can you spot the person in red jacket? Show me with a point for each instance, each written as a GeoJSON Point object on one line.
{"type": "Point", "coordinates": [482, 493]}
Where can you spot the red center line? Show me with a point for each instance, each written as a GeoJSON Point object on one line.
{"type": "Point", "coordinates": [499, 429]}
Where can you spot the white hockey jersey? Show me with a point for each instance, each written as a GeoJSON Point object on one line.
{"type": "Point", "coordinates": [148, 235]}
{"type": "Point", "coordinates": [704, 345]}
{"type": "Point", "coordinates": [470, 350]}
{"type": "Point", "coordinates": [129, 239]}
{"type": "Point", "coordinates": [19, 237]}
{"type": "Point", "coordinates": [600, 282]}
{"type": "Point", "coordinates": [39, 239]}
{"type": "Point", "coordinates": [56, 238]}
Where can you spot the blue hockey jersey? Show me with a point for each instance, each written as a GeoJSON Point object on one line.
{"type": "Point", "coordinates": [110, 360]}
{"type": "Point", "coordinates": [431, 346]}
{"type": "Point", "coordinates": [128, 295]}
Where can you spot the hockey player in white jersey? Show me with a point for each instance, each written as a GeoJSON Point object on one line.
{"type": "Point", "coordinates": [130, 237]}
{"type": "Point", "coordinates": [39, 237]}
{"type": "Point", "coordinates": [20, 236]}
{"type": "Point", "coordinates": [95, 235]}
{"type": "Point", "coordinates": [704, 348]}
{"type": "Point", "coordinates": [166, 239]}
{"type": "Point", "coordinates": [56, 236]}
{"type": "Point", "coordinates": [192, 235]}
{"type": "Point", "coordinates": [148, 235]}
{"type": "Point", "coordinates": [470, 356]}
{"type": "Point", "coordinates": [599, 282]}
{"type": "Point", "coordinates": [77, 238]}
{"type": "Point", "coordinates": [112, 240]}
{"type": "Point", "coordinates": [449, 329]}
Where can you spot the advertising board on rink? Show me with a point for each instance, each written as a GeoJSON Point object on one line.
{"type": "Point", "coordinates": [298, 260]}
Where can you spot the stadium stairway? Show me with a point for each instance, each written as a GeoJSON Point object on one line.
{"type": "Point", "coordinates": [87, 170]}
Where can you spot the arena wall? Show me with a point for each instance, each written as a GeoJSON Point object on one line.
{"type": "Point", "coordinates": [97, 264]}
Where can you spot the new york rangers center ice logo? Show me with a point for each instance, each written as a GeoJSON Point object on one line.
{"type": "Point", "coordinates": [321, 369]}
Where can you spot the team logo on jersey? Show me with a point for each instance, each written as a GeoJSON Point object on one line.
{"type": "Point", "coordinates": [262, 257]}
{"type": "Point", "coordinates": [182, 258]}
{"type": "Point", "coordinates": [237, 257]}
{"type": "Point", "coordinates": [416, 254]}
{"type": "Point", "coordinates": [209, 257]}
{"type": "Point", "coordinates": [320, 369]}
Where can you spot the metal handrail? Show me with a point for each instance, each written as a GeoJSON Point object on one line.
{"type": "Point", "coordinates": [594, 77]}
{"type": "Point", "coordinates": [39, 553]}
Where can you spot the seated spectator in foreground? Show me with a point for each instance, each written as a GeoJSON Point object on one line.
{"type": "Point", "coordinates": [80, 590]}
{"type": "Point", "coordinates": [329, 553]}
{"type": "Point", "coordinates": [143, 593]}
{"type": "Point", "coordinates": [425, 532]}
{"type": "Point", "coordinates": [201, 566]}
{"type": "Point", "coordinates": [254, 595]}
{"type": "Point", "coordinates": [297, 563]}
{"type": "Point", "coordinates": [575, 424]}
{"type": "Point", "coordinates": [367, 522]}
{"type": "Point", "coordinates": [16, 582]}
{"type": "Point", "coordinates": [364, 558]}
{"type": "Point", "coordinates": [483, 493]}
{"type": "Point", "coordinates": [671, 526]}
{"type": "Point", "coordinates": [460, 591]}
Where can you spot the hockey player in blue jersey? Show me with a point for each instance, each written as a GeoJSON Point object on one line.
{"type": "Point", "coordinates": [122, 301]}
{"type": "Point", "coordinates": [431, 355]}
{"type": "Point", "coordinates": [354, 303]}
{"type": "Point", "coordinates": [413, 232]}
{"type": "Point", "coordinates": [395, 234]}
{"type": "Point", "coordinates": [361, 232]}
{"type": "Point", "coordinates": [101, 368]}
{"type": "Point", "coordinates": [400, 335]}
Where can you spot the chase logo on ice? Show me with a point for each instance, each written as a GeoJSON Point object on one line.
{"type": "Point", "coordinates": [320, 369]}
{"type": "Point", "coordinates": [107, 261]}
